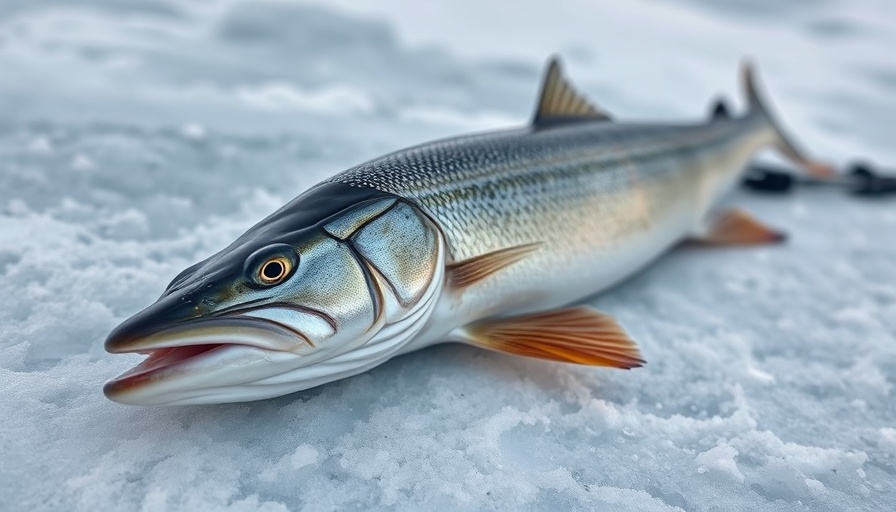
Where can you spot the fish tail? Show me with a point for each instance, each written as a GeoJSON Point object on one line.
{"type": "Point", "coordinates": [783, 143]}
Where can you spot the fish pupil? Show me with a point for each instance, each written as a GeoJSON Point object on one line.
{"type": "Point", "coordinates": [272, 270]}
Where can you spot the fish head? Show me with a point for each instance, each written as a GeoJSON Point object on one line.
{"type": "Point", "coordinates": [295, 302]}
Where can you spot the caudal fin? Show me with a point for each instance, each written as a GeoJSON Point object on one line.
{"type": "Point", "coordinates": [784, 144]}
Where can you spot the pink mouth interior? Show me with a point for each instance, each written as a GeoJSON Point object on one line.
{"type": "Point", "coordinates": [158, 359]}
{"type": "Point", "coordinates": [163, 357]}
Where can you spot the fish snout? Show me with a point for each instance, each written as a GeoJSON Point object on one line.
{"type": "Point", "coordinates": [167, 312]}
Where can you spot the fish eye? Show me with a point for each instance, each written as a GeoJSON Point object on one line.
{"type": "Point", "coordinates": [274, 270]}
{"type": "Point", "coordinates": [271, 265]}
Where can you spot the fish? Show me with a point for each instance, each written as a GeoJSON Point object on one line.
{"type": "Point", "coordinates": [489, 239]}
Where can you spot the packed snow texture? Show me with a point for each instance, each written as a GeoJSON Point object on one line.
{"type": "Point", "coordinates": [138, 137]}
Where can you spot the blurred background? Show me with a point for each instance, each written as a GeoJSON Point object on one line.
{"type": "Point", "coordinates": [139, 136]}
{"type": "Point", "coordinates": [307, 66]}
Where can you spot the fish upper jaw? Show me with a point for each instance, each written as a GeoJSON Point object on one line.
{"type": "Point", "coordinates": [177, 320]}
{"type": "Point", "coordinates": [168, 311]}
{"type": "Point", "coordinates": [241, 329]}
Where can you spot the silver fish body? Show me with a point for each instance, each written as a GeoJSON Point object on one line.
{"type": "Point", "coordinates": [602, 198]}
{"type": "Point", "coordinates": [429, 243]}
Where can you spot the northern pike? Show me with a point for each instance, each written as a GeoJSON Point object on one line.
{"type": "Point", "coordinates": [485, 239]}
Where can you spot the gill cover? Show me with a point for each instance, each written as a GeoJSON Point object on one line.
{"type": "Point", "coordinates": [400, 249]}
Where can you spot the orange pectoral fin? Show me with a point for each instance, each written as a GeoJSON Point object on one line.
{"type": "Point", "coordinates": [578, 335]}
{"type": "Point", "coordinates": [737, 227]}
{"type": "Point", "coordinates": [470, 271]}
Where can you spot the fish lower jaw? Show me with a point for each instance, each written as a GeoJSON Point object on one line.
{"type": "Point", "coordinates": [153, 367]}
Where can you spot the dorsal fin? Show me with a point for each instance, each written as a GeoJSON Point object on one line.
{"type": "Point", "coordinates": [560, 103]}
{"type": "Point", "coordinates": [719, 110]}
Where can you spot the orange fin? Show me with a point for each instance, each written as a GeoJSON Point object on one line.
{"type": "Point", "coordinates": [578, 335]}
{"type": "Point", "coordinates": [737, 227]}
{"type": "Point", "coordinates": [470, 271]}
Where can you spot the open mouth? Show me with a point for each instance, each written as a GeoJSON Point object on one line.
{"type": "Point", "coordinates": [203, 356]}
{"type": "Point", "coordinates": [160, 363]}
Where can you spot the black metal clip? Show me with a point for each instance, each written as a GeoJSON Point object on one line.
{"type": "Point", "coordinates": [866, 182]}
{"type": "Point", "coordinates": [861, 179]}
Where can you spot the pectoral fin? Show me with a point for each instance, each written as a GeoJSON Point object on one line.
{"type": "Point", "coordinates": [574, 335]}
{"type": "Point", "coordinates": [737, 227]}
{"type": "Point", "coordinates": [470, 271]}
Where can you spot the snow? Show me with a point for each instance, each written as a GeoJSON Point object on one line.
{"type": "Point", "coordinates": [721, 458]}
{"type": "Point", "coordinates": [138, 137]}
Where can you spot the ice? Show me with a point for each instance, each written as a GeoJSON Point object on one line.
{"type": "Point", "coordinates": [138, 137]}
{"type": "Point", "coordinates": [721, 458]}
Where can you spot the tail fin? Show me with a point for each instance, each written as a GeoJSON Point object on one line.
{"type": "Point", "coordinates": [783, 144]}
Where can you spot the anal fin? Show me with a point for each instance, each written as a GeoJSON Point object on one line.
{"type": "Point", "coordinates": [578, 335]}
{"type": "Point", "coordinates": [737, 227]}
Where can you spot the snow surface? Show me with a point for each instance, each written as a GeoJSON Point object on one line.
{"type": "Point", "coordinates": [139, 136]}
